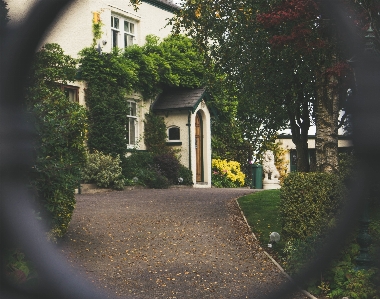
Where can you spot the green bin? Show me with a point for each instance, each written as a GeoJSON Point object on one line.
{"type": "Point", "coordinates": [257, 176]}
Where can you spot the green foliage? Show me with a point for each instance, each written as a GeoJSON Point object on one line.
{"type": "Point", "coordinates": [168, 165]}
{"type": "Point", "coordinates": [155, 133]}
{"type": "Point", "coordinates": [309, 205]}
{"type": "Point", "coordinates": [297, 252]}
{"type": "Point", "coordinates": [141, 169]}
{"type": "Point", "coordinates": [172, 62]}
{"type": "Point", "coordinates": [60, 126]}
{"type": "Point", "coordinates": [347, 163]}
{"type": "Point", "coordinates": [112, 76]}
{"type": "Point", "coordinates": [261, 212]}
{"type": "Point", "coordinates": [185, 61]}
{"type": "Point", "coordinates": [155, 171]}
{"type": "Point", "coordinates": [109, 77]}
{"type": "Point", "coordinates": [103, 170]}
{"type": "Point", "coordinates": [18, 270]}
{"type": "Point", "coordinates": [309, 202]}
{"type": "Point", "coordinates": [345, 281]}
{"type": "Point", "coordinates": [186, 175]}
{"type": "Point", "coordinates": [135, 162]}
{"type": "Point", "coordinates": [96, 30]}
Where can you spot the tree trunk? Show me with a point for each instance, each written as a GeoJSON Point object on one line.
{"type": "Point", "coordinates": [299, 125]}
{"type": "Point", "coordinates": [326, 119]}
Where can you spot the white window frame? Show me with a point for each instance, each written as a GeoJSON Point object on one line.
{"type": "Point", "coordinates": [132, 116]}
{"type": "Point", "coordinates": [123, 29]}
{"type": "Point", "coordinates": [115, 31]}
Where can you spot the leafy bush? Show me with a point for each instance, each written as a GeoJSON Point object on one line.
{"type": "Point", "coordinates": [158, 171]}
{"type": "Point", "coordinates": [103, 170]}
{"type": "Point", "coordinates": [355, 284]}
{"type": "Point", "coordinates": [155, 134]}
{"type": "Point", "coordinates": [155, 179]}
{"type": "Point", "coordinates": [60, 126]}
{"type": "Point", "coordinates": [298, 252]}
{"type": "Point", "coordinates": [135, 163]}
{"type": "Point", "coordinates": [308, 203]}
{"type": "Point", "coordinates": [168, 165]}
{"type": "Point", "coordinates": [18, 270]}
{"type": "Point", "coordinates": [109, 78]}
{"type": "Point", "coordinates": [186, 174]}
{"type": "Point", "coordinates": [141, 168]}
{"type": "Point", "coordinates": [226, 174]}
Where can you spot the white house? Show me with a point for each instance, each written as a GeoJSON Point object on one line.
{"type": "Point", "coordinates": [344, 145]}
{"type": "Point", "coordinates": [122, 26]}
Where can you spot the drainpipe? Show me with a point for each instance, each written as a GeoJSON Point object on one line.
{"type": "Point", "coordinates": [189, 125]}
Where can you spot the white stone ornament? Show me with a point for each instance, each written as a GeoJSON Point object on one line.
{"type": "Point", "coordinates": [274, 237]}
{"type": "Point", "coordinates": [271, 174]}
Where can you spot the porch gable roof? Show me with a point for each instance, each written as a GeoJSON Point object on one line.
{"type": "Point", "coordinates": [179, 99]}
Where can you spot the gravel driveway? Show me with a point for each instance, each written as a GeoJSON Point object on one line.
{"type": "Point", "coordinates": [173, 243]}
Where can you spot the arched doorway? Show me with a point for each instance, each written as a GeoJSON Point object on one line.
{"type": "Point", "coordinates": [199, 147]}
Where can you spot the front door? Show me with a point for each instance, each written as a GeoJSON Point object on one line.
{"type": "Point", "coordinates": [198, 146]}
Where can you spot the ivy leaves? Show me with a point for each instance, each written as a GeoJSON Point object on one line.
{"type": "Point", "coordinates": [173, 62]}
{"type": "Point", "coordinates": [147, 70]}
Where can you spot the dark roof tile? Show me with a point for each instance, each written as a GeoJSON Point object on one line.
{"type": "Point", "coordinates": [179, 99]}
{"type": "Point", "coordinates": [165, 4]}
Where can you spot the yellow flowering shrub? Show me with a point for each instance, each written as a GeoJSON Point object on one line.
{"type": "Point", "coordinates": [227, 174]}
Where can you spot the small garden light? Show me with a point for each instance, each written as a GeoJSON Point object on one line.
{"type": "Point", "coordinates": [180, 180]}
{"type": "Point", "coordinates": [273, 238]}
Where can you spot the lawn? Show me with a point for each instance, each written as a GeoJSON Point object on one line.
{"type": "Point", "coordinates": [261, 210]}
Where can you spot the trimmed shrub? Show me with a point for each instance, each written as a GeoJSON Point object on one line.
{"type": "Point", "coordinates": [309, 202]}
{"type": "Point", "coordinates": [103, 170]}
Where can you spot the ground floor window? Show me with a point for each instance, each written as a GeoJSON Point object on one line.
{"type": "Point", "coordinates": [71, 93]}
{"type": "Point", "coordinates": [132, 123]}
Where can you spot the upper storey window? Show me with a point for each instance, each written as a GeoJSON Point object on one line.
{"type": "Point", "coordinates": [122, 32]}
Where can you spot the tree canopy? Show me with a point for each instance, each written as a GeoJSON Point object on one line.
{"type": "Point", "coordinates": [281, 56]}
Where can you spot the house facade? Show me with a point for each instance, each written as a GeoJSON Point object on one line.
{"type": "Point", "coordinates": [189, 129]}
{"type": "Point", "coordinates": [345, 144]}
{"type": "Point", "coordinates": [121, 26]}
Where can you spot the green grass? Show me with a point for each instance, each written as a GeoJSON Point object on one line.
{"type": "Point", "coordinates": [262, 212]}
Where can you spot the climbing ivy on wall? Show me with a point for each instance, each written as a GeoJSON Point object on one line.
{"type": "Point", "coordinates": [110, 77]}
{"type": "Point", "coordinates": [155, 133]}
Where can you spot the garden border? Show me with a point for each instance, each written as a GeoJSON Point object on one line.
{"type": "Point", "coordinates": [306, 293]}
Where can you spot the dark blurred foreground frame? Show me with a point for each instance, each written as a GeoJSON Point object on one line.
{"type": "Point", "coordinates": [18, 226]}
